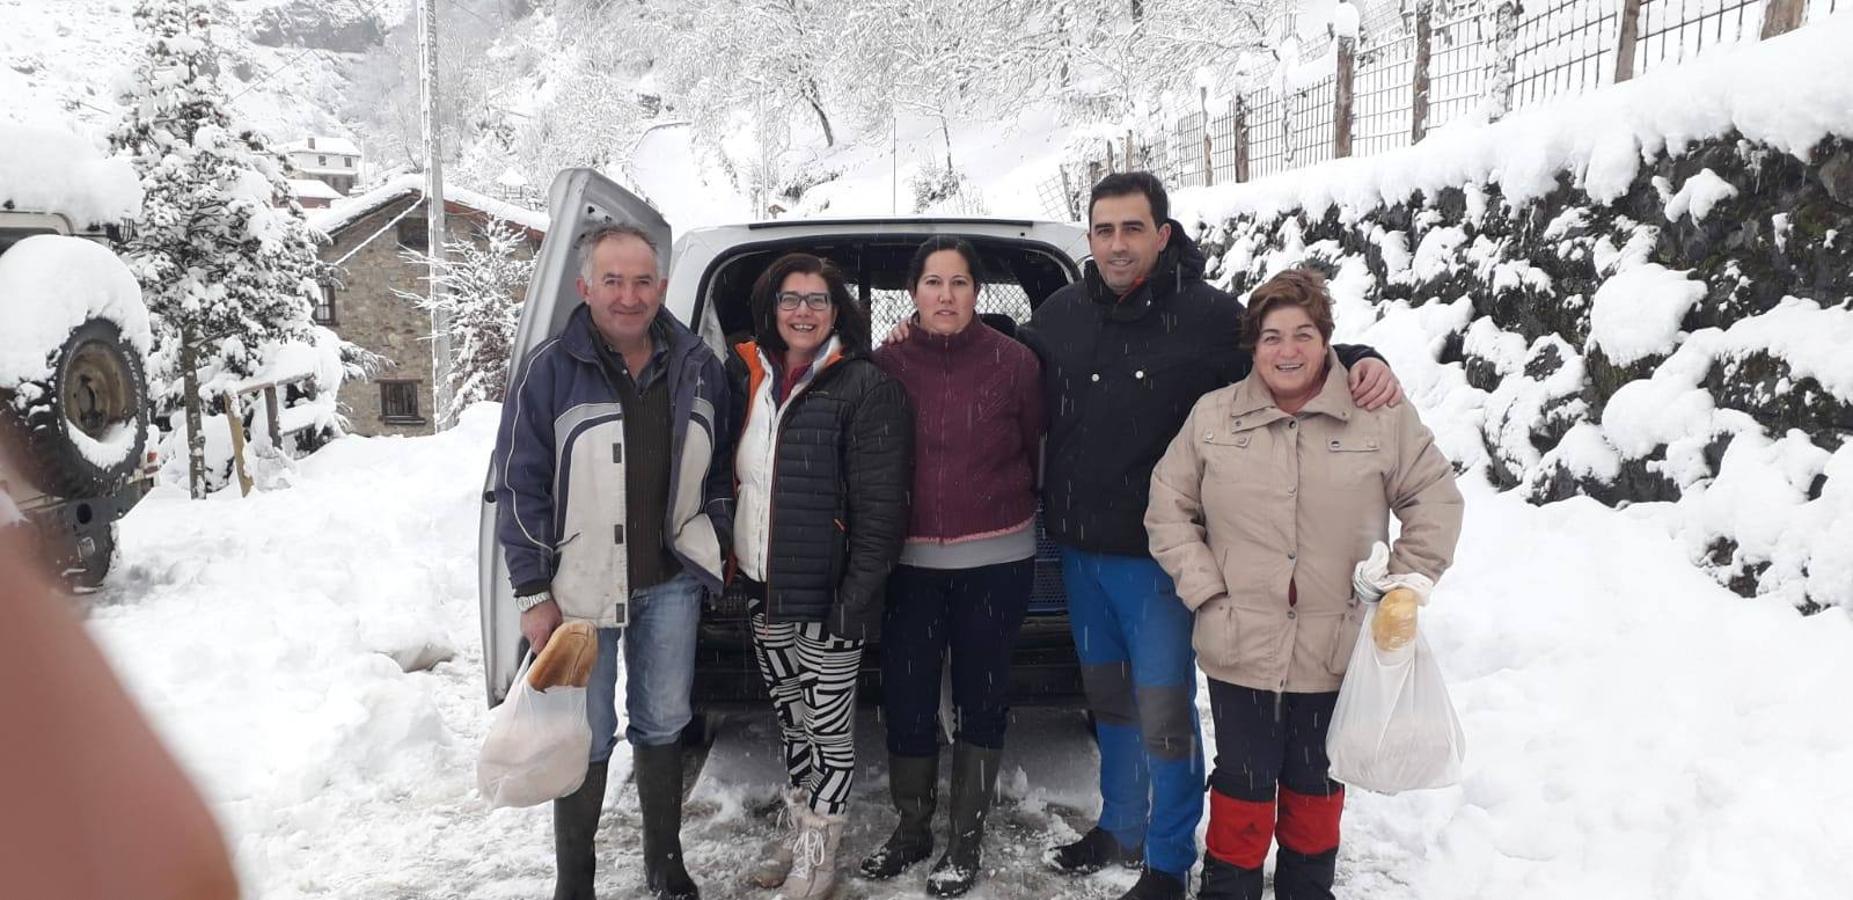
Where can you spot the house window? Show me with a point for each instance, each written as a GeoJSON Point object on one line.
{"type": "Point", "coordinates": [348, 161]}
{"type": "Point", "coordinates": [321, 160]}
{"type": "Point", "coordinates": [324, 313]}
{"type": "Point", "coordinates": [413, 234]}
{"type": "Point", "coordinates": [399, 403]}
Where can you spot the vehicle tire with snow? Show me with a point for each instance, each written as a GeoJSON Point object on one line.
{"type": "Point", "coordinates": [86, 427]}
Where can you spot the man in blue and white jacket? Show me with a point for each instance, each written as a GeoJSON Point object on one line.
{"type": "Point", "coordinates": [614, 501]}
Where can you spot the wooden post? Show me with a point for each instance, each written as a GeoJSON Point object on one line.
{"type": "Point", "coordinates": [1068, 194]}
{"type": "Point", "coordinates": [1505, 60]}
{"type": "Point", "coordinates": [1630, 35]}
{"type": "Point", "coordinates": [1782, 17]}
{"type": "Point", "coordinates": [1128, 154]}
{"type": "Point", "coordinates": [1424, 42]}
{"type": "Point", "coordinates": [234, 418]}
{"type": "Point", "coordinates": [1241, 138]}
{"type": "Point", "coordinates": [1288, 104]}
{"type": "Point", "coordinates": [1110, 166]}
{"type": "Point", "coordinates": [1209, 154]}
{"type": "Point", "coordinates": [1342, 93]}
{"type": "Point", "coordinates": [274, 417]}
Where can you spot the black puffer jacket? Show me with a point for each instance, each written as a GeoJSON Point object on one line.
{"type": "Point", "coordinates": [1120, 376]}
{"type": "Point", "coordinates": [842, 471]}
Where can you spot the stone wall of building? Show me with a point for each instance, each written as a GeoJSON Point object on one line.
{"type": "Point", "coordinates": [369, 313]}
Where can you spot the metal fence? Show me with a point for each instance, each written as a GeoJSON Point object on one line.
{"type": "Point", "coordinates": [887, 306]}
{"type": "Point", "coordinates": [1385, 73]}
{"type": "Point", "coordinates": [1553, 50]}
{"type": "Point", "coordinates": [1460, 68]}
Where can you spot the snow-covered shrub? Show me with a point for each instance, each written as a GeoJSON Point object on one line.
{"type": "Point", "coordinates": [1660, 294]}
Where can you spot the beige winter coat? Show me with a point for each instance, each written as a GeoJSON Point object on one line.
{"type": "Point", "coordinates": [1248, 499]}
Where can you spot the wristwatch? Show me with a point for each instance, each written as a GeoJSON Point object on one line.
{"type": "Point", "coordinates": [523, 604]}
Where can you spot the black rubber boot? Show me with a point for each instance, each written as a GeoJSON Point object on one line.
{"type": "Point", "coordinates": [1302, 876]}
{"type": "Point", "coordinates": [1155, 885]}
{"type": "Point", "coordinates": [974, 783]}
{"type": "Point", "coordinates": [1096, 850]}
{"type": "Point", "coordinates": [575, 828]}
{"type": "Point", "coordinates": [658, 773]}
{"type": "Point", "coordinates": [1228, 881]}
{"type": "Point", "coordinates": [913, 783]}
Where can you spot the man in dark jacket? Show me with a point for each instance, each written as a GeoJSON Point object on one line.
{"type": "Point", "coordinates": [614, 506]}
{"type": "Point", "coordinates": [1126, 353]}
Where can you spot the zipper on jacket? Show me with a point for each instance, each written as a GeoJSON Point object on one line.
{"type": "Point", "coordinates": [772, 483]}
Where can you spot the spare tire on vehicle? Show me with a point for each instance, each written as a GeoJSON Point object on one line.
{"type": "Point", "coordinates": [87, 427]}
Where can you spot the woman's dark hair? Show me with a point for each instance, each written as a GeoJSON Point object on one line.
{"type": "Point", "coordinates": [934, 245]}
{"type": "Point", "coordinates": [1303, 287]}
{"type": "Point", "coordinates": [852, 321]}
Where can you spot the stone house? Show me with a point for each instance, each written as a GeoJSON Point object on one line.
{"type": "Point", "coordinates": [370, 235]}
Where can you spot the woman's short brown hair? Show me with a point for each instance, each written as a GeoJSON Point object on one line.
{"type": "Point", "coordinates": [1303, 287]}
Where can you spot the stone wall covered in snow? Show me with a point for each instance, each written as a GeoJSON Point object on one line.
{"type": "Point", "coordinates": [1626, 304]}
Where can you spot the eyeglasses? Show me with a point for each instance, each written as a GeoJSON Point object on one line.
{"type": "Point", "coordinates": [789, 300]}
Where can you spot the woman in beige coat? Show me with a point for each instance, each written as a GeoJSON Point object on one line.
{"type": "Point", "coordinates": [1273, 492]}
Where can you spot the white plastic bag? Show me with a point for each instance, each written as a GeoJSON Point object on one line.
{"type": "Point", "coordinates": [1394, 728]}
{"type": "Point", "coordinates": [537, 746]}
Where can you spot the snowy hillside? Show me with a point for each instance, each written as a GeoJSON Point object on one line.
{"type": "Point", "coordinates": [62, 60]}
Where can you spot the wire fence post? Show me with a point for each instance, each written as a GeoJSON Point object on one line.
{"type": "Point", "coordinates": [1241, 138]}
{"type": "Point", "coordinates": [1630, 32]}
{"type": "Point", "coordinates": [1209, 148]}
{"type": "Point", "coordinates": [1424, 43]}
{"type": "Point", "coordinates": [1782, 17]}
{"type": "Point", "coordinates": [1342, 96]}
{"type": "Point", "coordinates": [1505, 60]}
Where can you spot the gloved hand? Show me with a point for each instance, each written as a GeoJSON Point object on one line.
{"type": "Point", "coordinates": [1398, 596]}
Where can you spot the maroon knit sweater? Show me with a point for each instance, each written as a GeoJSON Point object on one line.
{"type": "Point", "coordinates": [978, 425]}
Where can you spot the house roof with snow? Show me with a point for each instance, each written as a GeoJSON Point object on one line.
{"type": "Point", "coordinates": [314, 189]}
{"type": "Point", "coordinates": [318, 144]}
{"type": "Point", "coordinates": [456, 200]}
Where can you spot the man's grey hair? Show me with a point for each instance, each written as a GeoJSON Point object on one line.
{"type": "Point", "coordinates": [599, 234]}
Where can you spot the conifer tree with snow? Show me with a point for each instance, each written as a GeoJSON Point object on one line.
{"type": "Point", "coordinates": [481, 282]}
{"type": "Point", "coordinates": [222, 271]}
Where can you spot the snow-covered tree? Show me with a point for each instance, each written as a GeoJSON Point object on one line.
{"type": "Point", "coordinates": [720, 56]}
{"type": "Point", "coordinates": [223, 271]}
{"type": "Point", "coordinates": [481, 281]}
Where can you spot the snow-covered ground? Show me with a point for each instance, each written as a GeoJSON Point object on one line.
{"type": "Point", "coordinates": [1634, 729]}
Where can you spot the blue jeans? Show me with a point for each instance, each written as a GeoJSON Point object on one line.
{"type": "Point", "coordinates": [1132, 634]}
{"type": "Point", "coordinates": [659, 655]}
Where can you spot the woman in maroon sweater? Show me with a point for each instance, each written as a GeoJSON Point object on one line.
{"type": "Point", "coordinates": [964, 578]}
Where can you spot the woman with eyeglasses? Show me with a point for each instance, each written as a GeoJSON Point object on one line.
{"type": "Point", "coordinates": [964, 581]}
{"type": "Point", "coordinates": [824, 464]}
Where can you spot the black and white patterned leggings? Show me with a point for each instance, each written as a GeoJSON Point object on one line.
{"type": "Point", "coordinates": [811, 675]}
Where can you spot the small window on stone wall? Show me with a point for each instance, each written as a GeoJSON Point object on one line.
{"type": "Point", "coordinates": [399, 403]}
{"type": "Point", "coordinates": [413, 234]}
{"type": "Point", "coordinates": [325, 306]}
